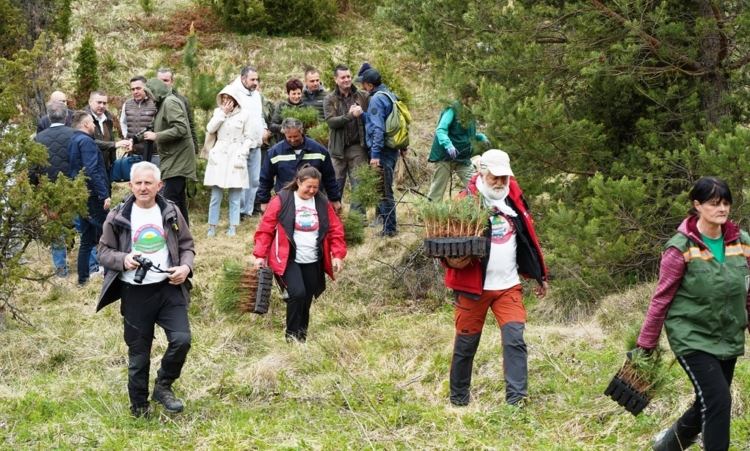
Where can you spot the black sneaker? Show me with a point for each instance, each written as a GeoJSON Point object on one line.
{"type": "Point", "coordinates": [142, 411]}
{"type": "Point", "coordinates": [164, 395]}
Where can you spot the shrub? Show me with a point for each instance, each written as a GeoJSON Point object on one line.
{"type": "Point", "coordinates": [370, 187]}
{"type": "Point", "coordinates": [147, 6]}
{"type": "Point", "coordinates": [354, 228]}
{"type": "Point", "coordinates": [87, 72]}
{"type": "Point", "coordinates": [290, 17]}
{"type": "Point", "coordinates": [319, 133]}
{"type": "Point", "coordinates": [308, 115]}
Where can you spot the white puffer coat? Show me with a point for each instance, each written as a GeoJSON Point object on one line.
{"type": "Point", "coordinates": [232, 136]}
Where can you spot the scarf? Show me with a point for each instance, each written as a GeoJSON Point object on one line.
{"type": "Point", "coordinates": [498, 204]}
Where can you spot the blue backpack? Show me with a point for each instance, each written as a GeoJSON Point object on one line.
{"type": "Point", "coordinates": [120, 171]}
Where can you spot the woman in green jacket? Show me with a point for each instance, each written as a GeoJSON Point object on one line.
{"type": "Point", "coordinates": [452, 148]}
{"type": "Point", "coordinates": [702, 301]}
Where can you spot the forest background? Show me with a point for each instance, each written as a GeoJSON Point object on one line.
{"type": "Point", "coordinates": [610, 110]}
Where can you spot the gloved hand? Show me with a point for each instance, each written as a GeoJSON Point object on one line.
{"type": "Point", "coordinates": [638, 353]}
{"type": "Point", "coordinates": [451, 152]}
{"type": "Point", "coordinates": [487, 143]}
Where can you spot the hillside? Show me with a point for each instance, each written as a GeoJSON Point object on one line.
{"type": "Point", "coordinates": [374, 371]}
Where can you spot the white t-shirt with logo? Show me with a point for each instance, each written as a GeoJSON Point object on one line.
{"type": "Point", "coordinates": [502, 269]}
{"type": "Point", "coordinates": [306, 227]}
{"type": "Point", "coordinates": [150, 239]}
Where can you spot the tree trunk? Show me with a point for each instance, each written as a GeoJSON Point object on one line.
{"type": "Point", "coordinates": [713, 54]}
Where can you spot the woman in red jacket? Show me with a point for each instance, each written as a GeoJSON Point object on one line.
{"type": "Point", "coordinates": [300, 238]}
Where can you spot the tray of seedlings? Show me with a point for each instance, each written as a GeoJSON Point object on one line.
{"type": "Point", "coordinates": [454, 229]}
{"type": "Point", "coordinates": [244, 288]}
{"type": "Point", "coordinates": [638, 380]}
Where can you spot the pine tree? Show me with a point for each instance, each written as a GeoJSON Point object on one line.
{"type": "Point", "coordinates": [609, 111]}
{"type": "Point", "coordinates": [87, 72]}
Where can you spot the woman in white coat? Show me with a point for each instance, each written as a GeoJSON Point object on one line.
{"type": "Point", "coordinates": [228, 143]}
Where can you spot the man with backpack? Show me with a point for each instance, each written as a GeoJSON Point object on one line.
{"type": "Point", "coordinates": [385, 141]}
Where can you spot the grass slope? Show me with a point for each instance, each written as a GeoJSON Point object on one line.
{"type": "Point", "coordinates": [374, 373]}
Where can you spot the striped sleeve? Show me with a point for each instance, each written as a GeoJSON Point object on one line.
{"type": "Point", "coordinates": [670, 277]}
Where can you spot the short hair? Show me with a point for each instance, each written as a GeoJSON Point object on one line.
{"type": "Point", "coordinates": [139, 78]}
{"type": "Point", "coordinates": [57, 112]}
{"type": "Point", "coordinates": [311, 70]}
{"type": "Point", "coordinates": [166, 70]}
{"type": "Point", "coordinates": [98, 92]}
{"type": "Point", "coordinates": [338, 68]}
{"type": "Point", "coordinates": [246, 70]}
{"type": "Point", "coordinates": [294, 83]}
{"type": "Point", "coordinates": [292, 123]}
{"type": "Point", "coordinates": [709, 188]}
{"type": "Point", "coordinates": [306, 172]}
{"type": "Point", "coordinates": [80, 116]}
{"type": "Point", "coordinates": [145, 166]}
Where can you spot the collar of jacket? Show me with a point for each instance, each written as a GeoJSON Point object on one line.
{"type": "Point", "coordinates": [337, 92]}
{"type": "Point", "coordinates": [689, 228]}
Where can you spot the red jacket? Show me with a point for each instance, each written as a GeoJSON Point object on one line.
{"type": "Point", "coordinates": [469, 280]}
{"type": "Point", "coordinates": [275, 234]}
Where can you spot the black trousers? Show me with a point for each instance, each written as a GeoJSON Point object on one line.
{"type": "Point", "coordinates": [711, 411]}
{"type": "Point", "coordinates": [142, 307]}
{"type": "Point", "coordinates": [175, 189]}
{"type": "Point", "coordinates": [301, 282]}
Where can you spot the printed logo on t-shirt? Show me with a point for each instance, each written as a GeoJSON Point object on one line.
{"type": "Point", "coordinates": [149, 239]}
{"type": "Point", "coordinates": [306, 219]}
{"type": "Point", "coordinates": [502, 229]}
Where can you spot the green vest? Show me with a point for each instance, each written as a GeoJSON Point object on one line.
{"type": "Point", "coordinates": [709, 311]}
{"type": "Point", "coordinates": [459, 136]}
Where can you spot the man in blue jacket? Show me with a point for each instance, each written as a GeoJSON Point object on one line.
{"type": "Point", "coordinates": [287, 157]}
{"type": "Point", "coordinates": [379, 109]}
{"type": "Point", "coordinates": [84, 154]}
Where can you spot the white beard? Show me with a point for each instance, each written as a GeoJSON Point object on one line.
{"type": "Point", "coordinates": [496, 197]}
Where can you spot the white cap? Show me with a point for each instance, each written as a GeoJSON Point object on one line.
{"type": "Point", "coordinates": [497, 162]}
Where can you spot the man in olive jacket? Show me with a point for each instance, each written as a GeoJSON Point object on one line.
{"type": "Point", "coordinates": [343, 110]}
{"type": "Point", "coordinates": [172, 136]}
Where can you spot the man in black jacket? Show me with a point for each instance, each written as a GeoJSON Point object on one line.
{"type": "Point", "coordinates": [55, 138]}
{"type": "Point", "coordinates": [44, 122]}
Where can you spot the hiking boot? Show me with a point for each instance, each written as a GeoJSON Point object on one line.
{"type": "Point", "coordinates": [142, 411]}
{"type": "Point", "coordinates": [668, 440]}
{"type": "Point", "coordinates": [164, 395]}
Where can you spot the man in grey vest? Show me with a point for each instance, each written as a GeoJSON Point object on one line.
{"type": "Point", "coordinates": [137, 113]}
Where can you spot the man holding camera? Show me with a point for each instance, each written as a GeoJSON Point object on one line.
{"type": "Point", "coordinates": [148, 250]}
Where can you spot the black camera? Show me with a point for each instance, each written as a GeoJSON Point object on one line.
{"type": "Point", "coordinates": [140, 272]}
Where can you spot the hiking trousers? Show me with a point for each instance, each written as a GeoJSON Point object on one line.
{"type": "Point", "coordinates": [711, 411]}
{"type": "Point", "coordinates": [469, 315]}
{"type": "Point", "coordinates": [142, 307]}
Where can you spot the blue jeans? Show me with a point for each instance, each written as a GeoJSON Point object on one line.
{"type": "Point", "coordinates": [91, 231]}
{"type": "Point", "coordinates": [386, 209]}
{"type": "Point", "coordinates": [93, 260]}
{"type": "Point", "coordinates": [253, 173]}
{"type": "Point", "coordinates": [60, 258]}
{"type": "Point", "coordinates": [217, 194]}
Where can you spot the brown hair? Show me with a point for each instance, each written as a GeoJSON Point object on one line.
{"type": "Point", "coordinates": [293, 84]}
{"type": "Point", "coordinates": [305, 172]}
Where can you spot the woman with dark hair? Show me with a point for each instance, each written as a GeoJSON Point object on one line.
{"type": "Point", "coordinates": [702, 300]}
{"type": "Point", "coordinates": [293, 100]}
{"type": "Point", "coordinates": [300, 238]}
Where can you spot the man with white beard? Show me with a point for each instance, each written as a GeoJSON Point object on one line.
{"type": "Point", "coordinates": [493, 282]}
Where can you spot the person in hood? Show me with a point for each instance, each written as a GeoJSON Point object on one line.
{"type": "Point", "coordinates": [172, 137]}
{"type": "Point", "coordinates": [229, 140]}
{"type": "Point", "coordinates": [493, 281]}
{"type": "Point", "coordinates": [702, 301]}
